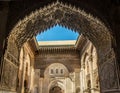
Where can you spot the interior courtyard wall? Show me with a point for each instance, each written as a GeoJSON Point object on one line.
{"type": "Point", "coordinates": [89, 70]}
{"type": "Point", "coordinates": [69, 58]}
{"type": "Point", "coordinates": [69, 80]}
{"type": "Point", "coordinates": [26, 69]}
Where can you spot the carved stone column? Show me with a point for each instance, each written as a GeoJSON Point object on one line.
{"type": "Point", "coordinates": [65, 83]}
{"type": "Point", "coordinates": [81, 81]}
{"type": "Point", "coordinates": [91, 73]}
{"type": "Point", "coordinates": [32, 78]}
{"type": "Point", "coordinates": [23, 77]}
{"type": "Point", "coordinates": [36, 80]}
{"type": "Point", "coordinates": [40, 84]}
{"type": "Point", "coordinates": [108, 73]}
{"type": "Point", "coordinates": [77, 78]}
{"type": "Point", "coordinates": [72, 76]}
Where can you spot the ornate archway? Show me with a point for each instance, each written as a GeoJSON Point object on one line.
{"type": "Point", "coordinates": [54, 83]}
{"type": "Point", "coordinates": [65, 15]}
{"type": "Point", "coordinates": [78, 20]}
{"type": "Point", "coordinates": [56, 89]}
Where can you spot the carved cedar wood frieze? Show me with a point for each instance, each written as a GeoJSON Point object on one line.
{"type": "Point", "coordinates": [57, 51]}
{"type": "Point", "coordinates": [64, 15]}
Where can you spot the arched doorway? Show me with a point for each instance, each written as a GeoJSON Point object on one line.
{"type": "Point", "coordinates": [80, 21]}
{"type": "Point", "coordinates": [56, 89]}
{"type": "Point", "coordinates": [54, 77]}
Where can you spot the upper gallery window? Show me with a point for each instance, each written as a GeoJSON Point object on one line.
{"type": "Point", "coordinates": [61, 71]}
{"type": "Point", "coordinates": [56, 71]}
{"type": "Point", "coordinates": [52, 71]}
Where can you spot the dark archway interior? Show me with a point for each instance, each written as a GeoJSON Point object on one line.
{"type": "Point", "coordinates": [56, 89]}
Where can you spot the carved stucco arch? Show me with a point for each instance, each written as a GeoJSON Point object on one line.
{"type": "Point", "coordinates": [54, 83]}
{"type": "Point", "coordinates": [65, 15]}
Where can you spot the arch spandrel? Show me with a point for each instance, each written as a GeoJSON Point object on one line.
{"type": "Point", "coordinates": [65, 15]}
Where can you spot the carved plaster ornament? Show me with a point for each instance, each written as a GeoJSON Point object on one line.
{"type": "Point", "coordinates": [108, 73]}
{"type": "Point", "coordinates": [64, 15]}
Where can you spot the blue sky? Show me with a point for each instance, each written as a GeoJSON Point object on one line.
{"type": "Point", "coordinates": [57, 33]}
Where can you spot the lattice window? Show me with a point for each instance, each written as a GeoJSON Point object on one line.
{"type": "Point", "coordinates": [52, 71]}
{"type": "Point", "coordinates": [56, 71]}
{"type": "Point", "coordinates": [61, 71]}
